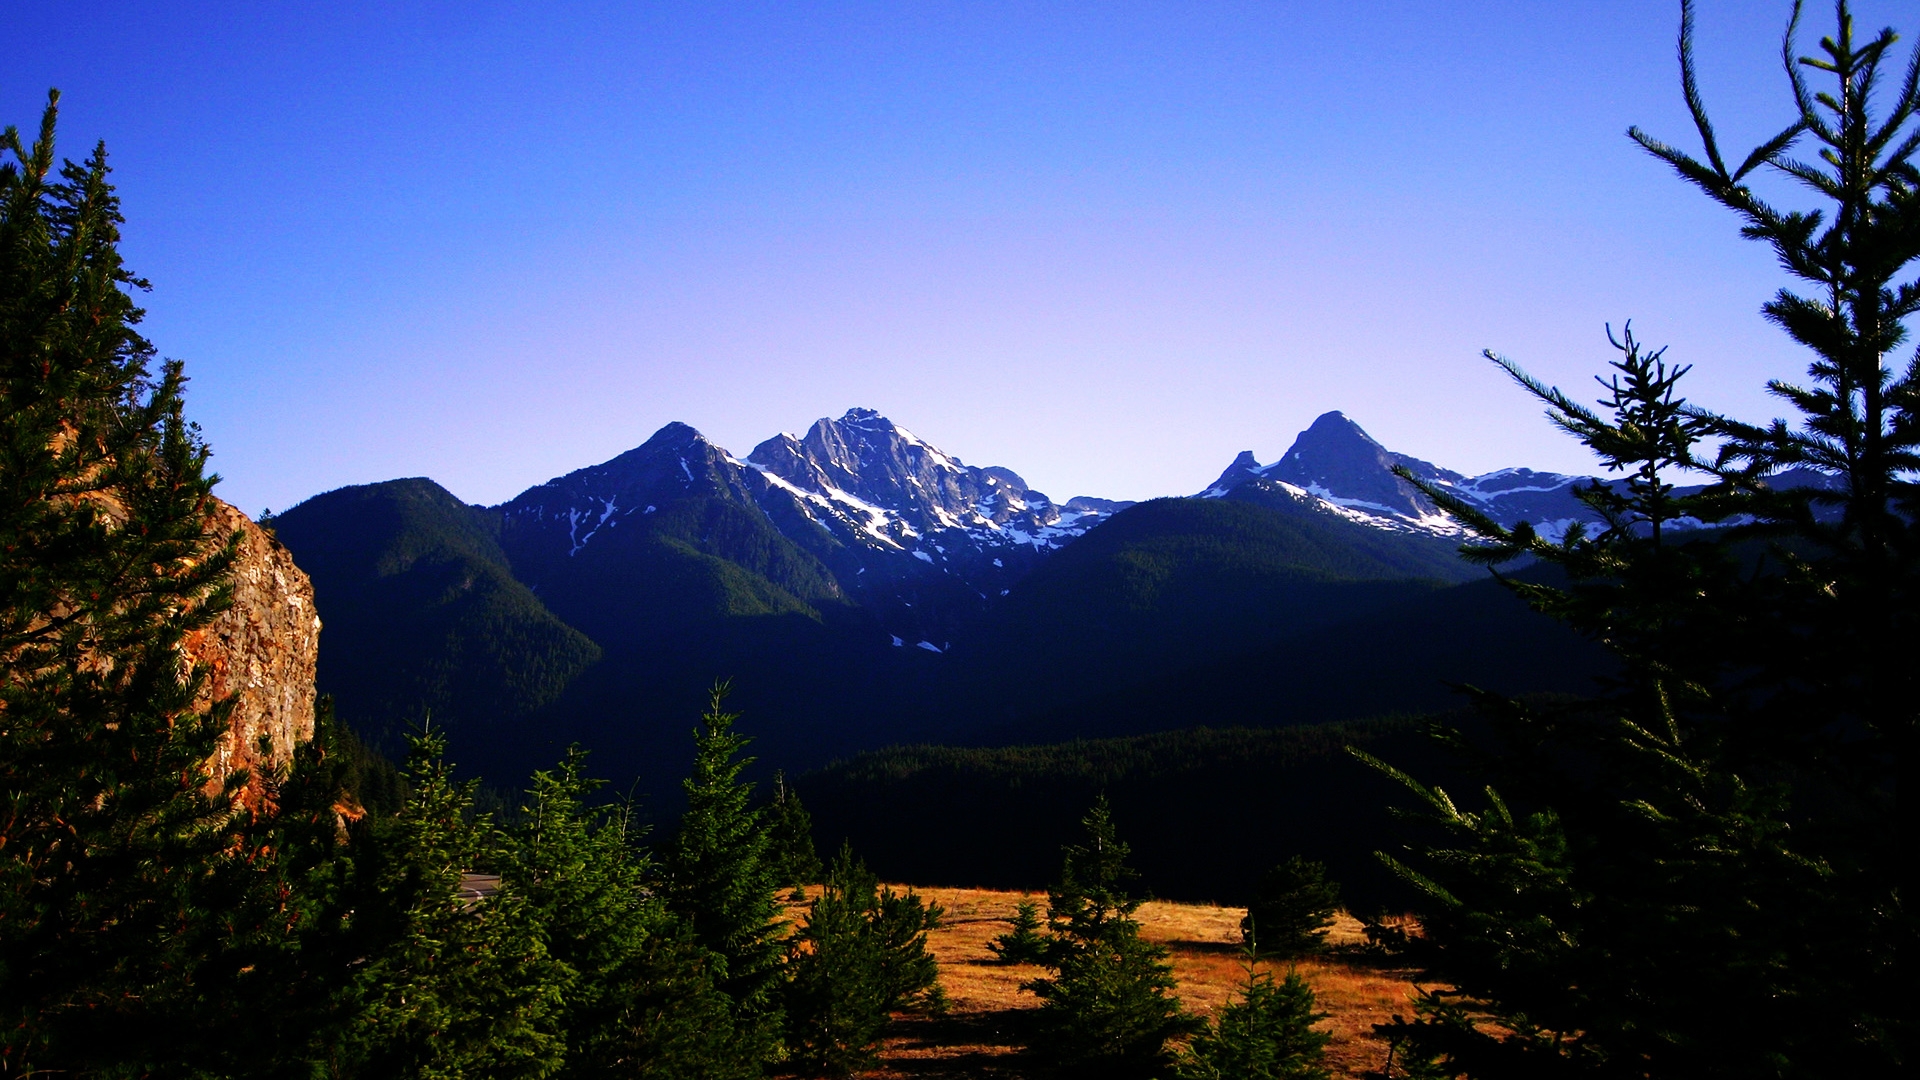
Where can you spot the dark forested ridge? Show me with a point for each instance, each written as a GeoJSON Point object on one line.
{"type": "Point", "coordinates": [423, 613]}
{"type": "Point", "coordinates": [1207, 810]}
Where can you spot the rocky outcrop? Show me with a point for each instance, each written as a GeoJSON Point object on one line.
{"type": "Point", "coordinates": [261, 652]}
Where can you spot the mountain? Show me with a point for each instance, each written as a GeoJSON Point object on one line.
{"type": "Point", "coordinates": [863, 587]}
{"type": "Point", "coordinates": [859, 513]}
{"type": "Point", "coordinates": [1336, 465]}
{"type": "Point", "coordinates": [423, 615]}
{"type": "Point", "coordinates": [916, 535]}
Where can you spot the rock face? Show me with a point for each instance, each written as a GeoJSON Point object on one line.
{"type": "Point", "coordinates": [261, 651]}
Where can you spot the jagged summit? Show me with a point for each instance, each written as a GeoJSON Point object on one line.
{"type": "Point", "coordinates": [1336, 458]}
{"type": "Point", "coordinates": [1336, 465]}
{"type": "Point", "coordinates": [1244, 467]}
{"type": "Point", "coordinates": [870, 458]}
{"type": "Point", "coordinates": [903, 528]}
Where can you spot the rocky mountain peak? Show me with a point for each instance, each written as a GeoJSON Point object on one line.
{"type": "Point", "coordinates": [676, 462]}
{"type": "Point", "coordinates": [1336, 465]}
{"type": "Point", "coordinates": [869, 457]}
{"type": "Point", "coordinates": [1336, 458]}
{"type": "Point", "coordinates": [1244, 467]}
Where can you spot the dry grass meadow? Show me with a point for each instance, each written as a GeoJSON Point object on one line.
{"type": "Point", "coordinates": [981, 1033]}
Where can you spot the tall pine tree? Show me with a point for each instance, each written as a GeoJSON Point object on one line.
{"type": "Point", "coordinates": [721, 877]}
{"type": "Point", "coordinates": [1705, 871]}
{"type": "Point", "coordinates": [113, 850]}
{"type": "Point", "coordinates": [442, 984]}
{"type": "Point", "coordinates": [638, 998]}
{"type": "Point", "coordinates": [1108, 1009]}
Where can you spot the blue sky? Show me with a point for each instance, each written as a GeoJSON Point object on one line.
{"type": "Point", "coordinates": [1107, 245]}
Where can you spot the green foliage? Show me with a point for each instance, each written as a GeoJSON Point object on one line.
{"type": "Point", "coordinates": [423, 613]}
{"type": "Point", "coordinates": [1023, 944]}
{"type": "Point", "coordinates": [363, 774]}
{"type": "Point", "coordinates": [446, 987]}
{"type": "Point", "coordinates": [1290, 914]}
{"type": "Point", "coordinates": [638, 998]}
{"type": "Point", "coordinates": [721, 876]}
{"type": "Point", "coordinates": [790, 837]}
{"type": "Point", "coordinates": [1108, 1009]}
{"type": "Point", "coordinates": [1703, 872]}
{"type": "Point", "coordinates": [860, 955]}
{"type": "Point", "coordinates": [117, 857]}
{"type": "Point", "coordinates": [1266, 1035]}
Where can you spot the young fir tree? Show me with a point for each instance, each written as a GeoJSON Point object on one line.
{"type": "Point", "coordinates": [790, 828]}
{"type": "Point", "coordinates": [1024, 943]}
{"type": "Point", "coordinates": [638, 998]}
{"type": "Point", "coordinates": [1292, 909]}
{"type": "Point", "coordinates": [444, 984]}
{"type": "Point", "coordinates": [115, 857]}
{"type": "Point", "coordinates": [859, 956]}
{"type": "Point", "coordinates": [1704, 871]}
{"type": "Point", "coordinates": [721, 881]}
{"type": "Point", "coordinates": [1267, 1035]}
{"type": "Point", "coordinates": [1108, 1009]}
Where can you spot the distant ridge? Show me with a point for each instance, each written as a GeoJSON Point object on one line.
{"type": "Point", "coordinates": [862, 587]}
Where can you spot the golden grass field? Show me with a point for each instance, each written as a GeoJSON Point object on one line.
{"type": "Point", "coordinates": [980, 1036]}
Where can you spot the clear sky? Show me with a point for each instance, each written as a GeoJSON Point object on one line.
{"type": "Point", "coordinates": [1108, 245]}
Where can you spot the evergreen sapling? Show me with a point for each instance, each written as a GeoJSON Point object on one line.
{"type": "Point", "coordinates": [1266, 1035]}
{"type": "Point", "coordinates": [860, 955]}
{"type": "Point", "coordinates": [796, 863]}
{"type": "Point", "coordinates": [1108, 1009]}
{"type": "Point", "coordinates": [1024, 943]}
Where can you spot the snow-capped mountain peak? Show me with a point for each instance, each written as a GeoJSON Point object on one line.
{"type": "Point", "coordinates": [866, 459]}
{"type": "Point", "coordinates": [1336, 465]}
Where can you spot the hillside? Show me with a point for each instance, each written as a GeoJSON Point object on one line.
{"type": "Point", "coordinates": [1206, 810]}
{"type": "Point", "coordinates": [424, 615]}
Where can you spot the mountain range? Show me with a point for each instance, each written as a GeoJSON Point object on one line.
{"type": "Point", "coordinates": [862, 587]}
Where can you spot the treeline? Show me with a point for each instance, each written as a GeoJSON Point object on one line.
{"type": "Point", "coordinates": [1206, 810]}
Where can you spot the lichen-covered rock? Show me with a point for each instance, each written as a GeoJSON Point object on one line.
{"type": "Point", "coordinates": [262, 651]}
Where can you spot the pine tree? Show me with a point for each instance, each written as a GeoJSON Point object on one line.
{"type": "Point", "coordinates": [860, 955]}
{"type": "Point", "coordinates": [1267, 1035]}
{"type": "Point", "coordinates": [1292, 909]}
{"type": "Point", "coordinates": [1108, 1009]}
{"type": "Point", "coordinates": [796, 863]}
{"type": "Point", "coordinates": [444, 986]}
{"type": "Point", "coordinates": [114, 851]}
{"type": "Point", "coordinates": [1702, 872]}
{"type": "Point", "coordinates": [720, 877]}
{"type": "Point", "coordinates": [1023, 943]}
{"type": "Point", "coordinates": [638, 998]}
